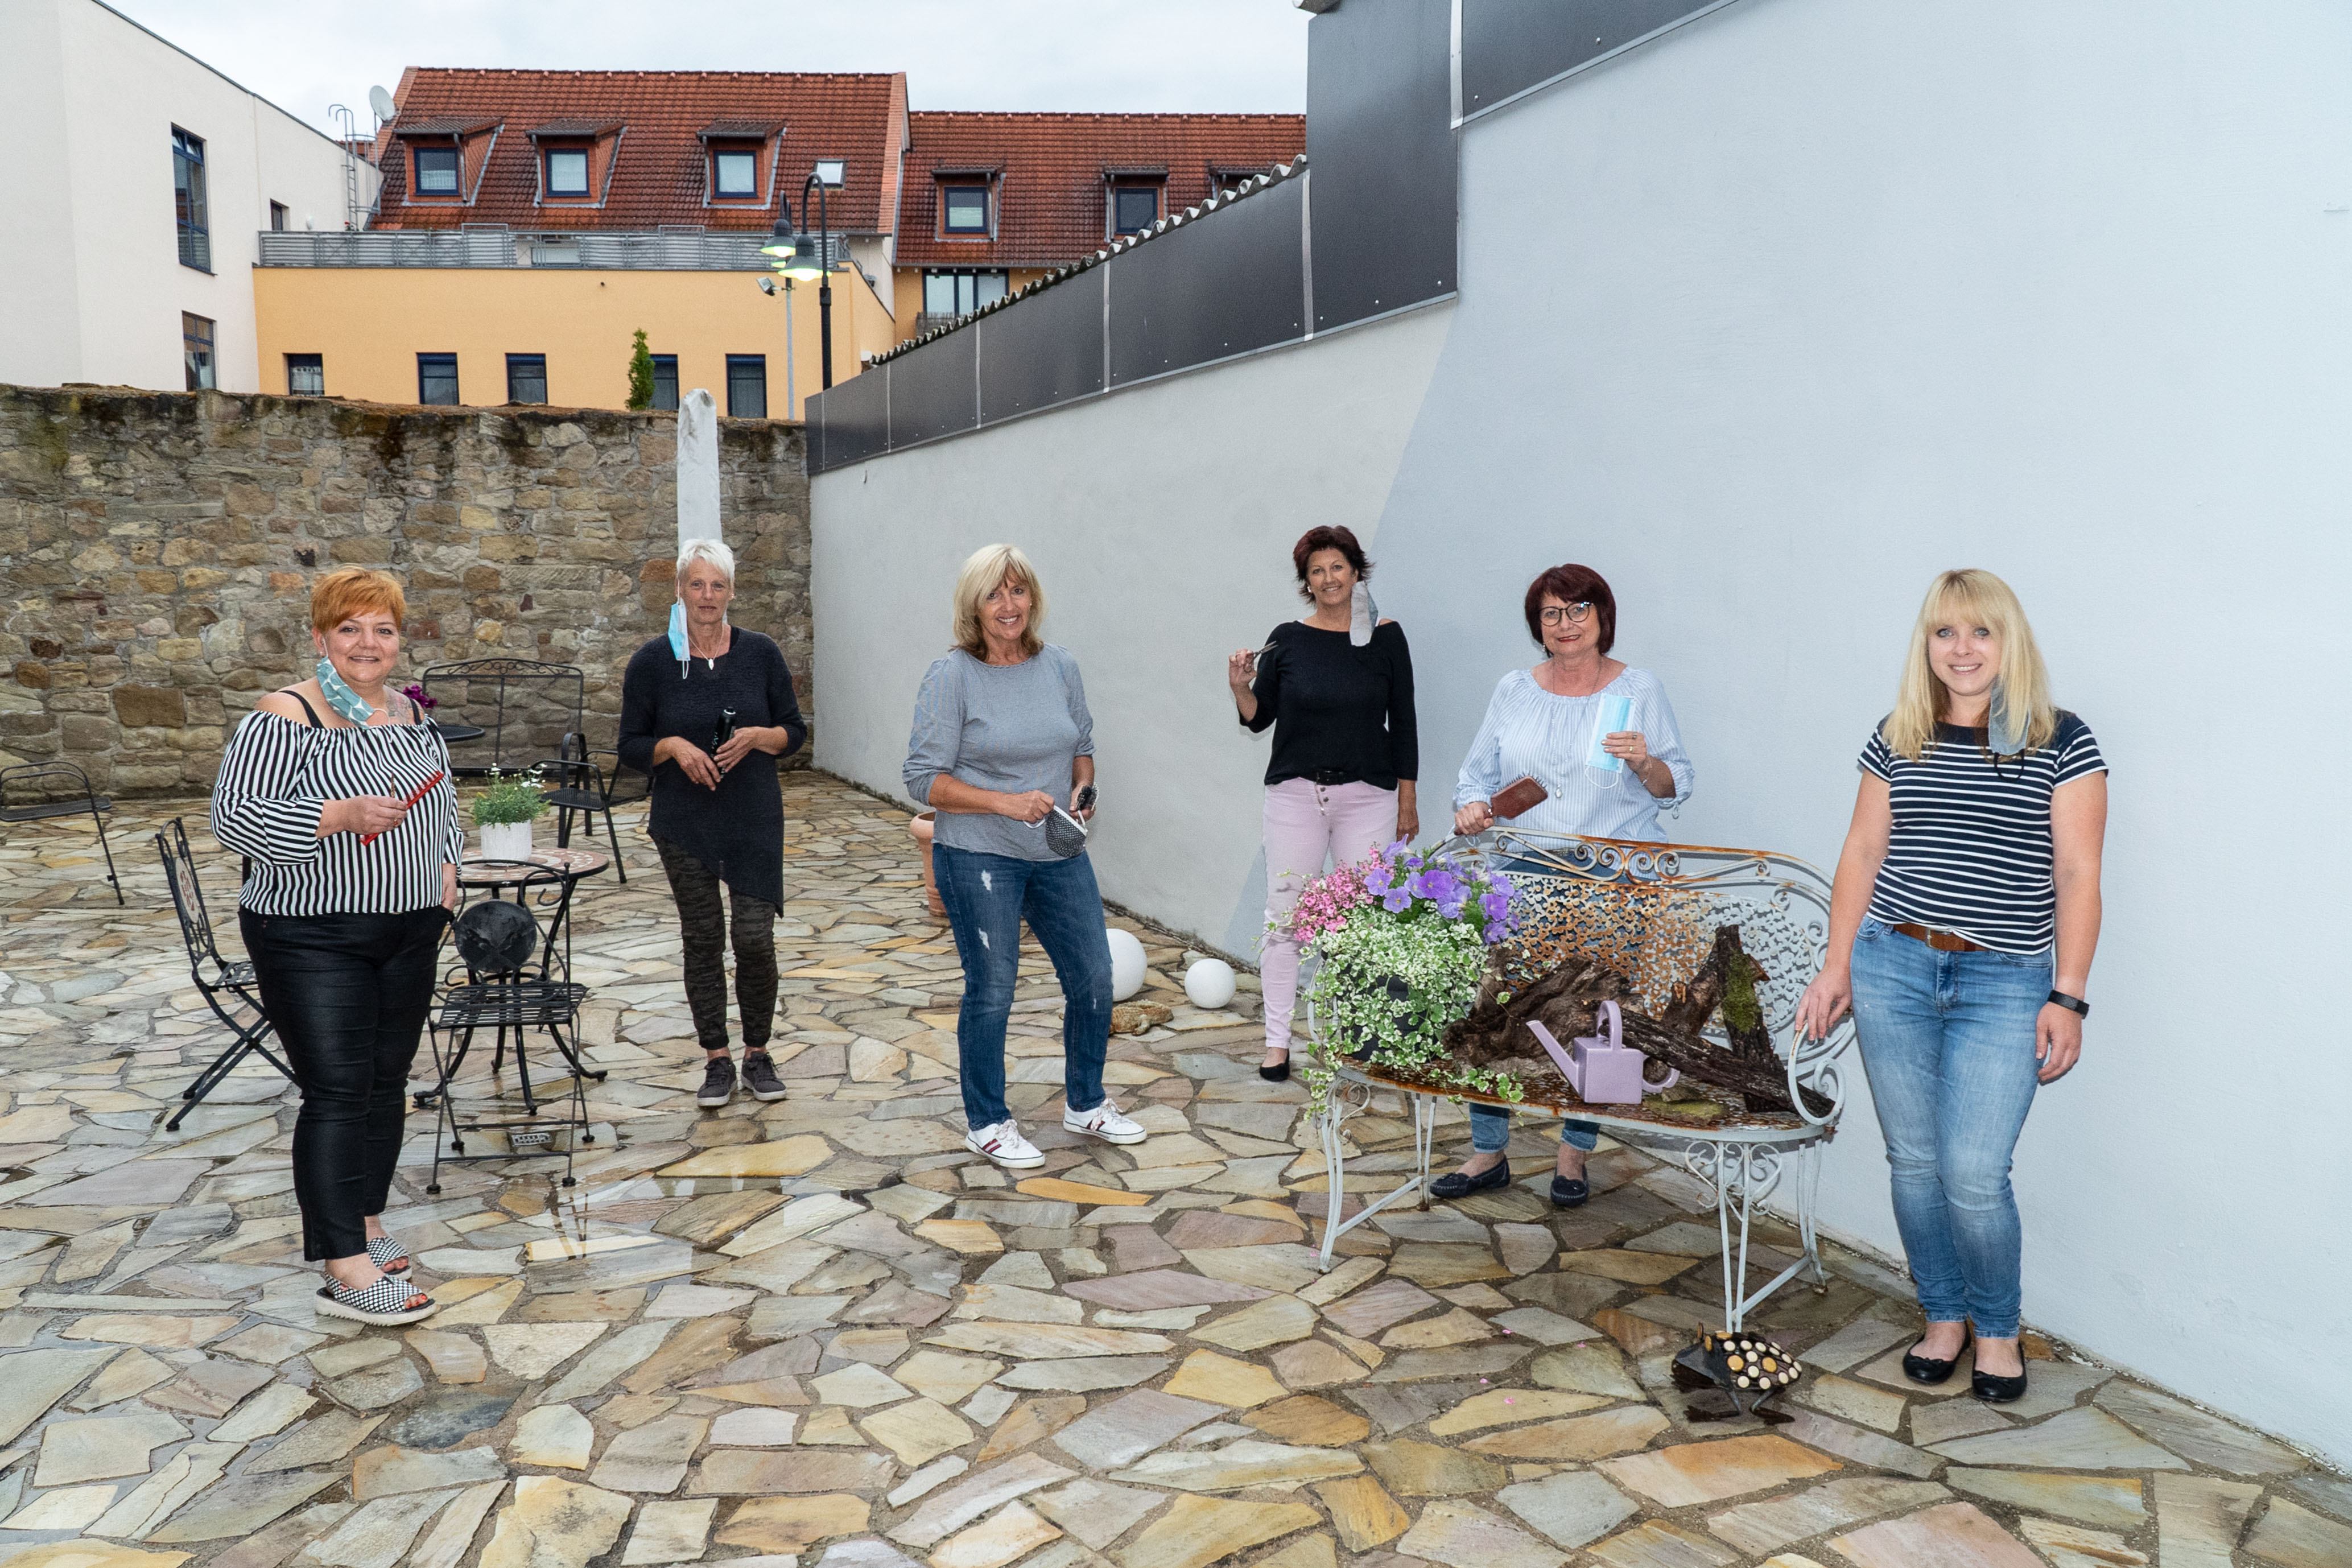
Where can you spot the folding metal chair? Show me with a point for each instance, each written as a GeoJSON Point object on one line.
{"type": "Point", "coordinates": [48, 804]}
{"type": "Point", "coordinates": [496, 940]}
{"type": "Point", "coordinates": [214, 976]}
{"type": "Point", "coordinates": [581, 785]}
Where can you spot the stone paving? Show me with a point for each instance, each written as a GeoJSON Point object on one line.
{"type": "Point", "coordinates": [817, 1331]}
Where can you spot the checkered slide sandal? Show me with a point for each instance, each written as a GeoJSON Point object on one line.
{"type": "Point", "coordinates": [386, 1301]}
{"type": "Point", "coordinates": [387, 1255]}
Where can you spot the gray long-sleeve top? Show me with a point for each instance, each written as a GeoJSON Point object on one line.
{"type": "Point", "coordinates": [1010, 728]}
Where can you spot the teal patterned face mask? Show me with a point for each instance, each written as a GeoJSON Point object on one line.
{"type": "Point", "coordinates": [340, 696]}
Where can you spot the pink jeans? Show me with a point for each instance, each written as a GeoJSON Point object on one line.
{"type": "Point", "coordinates": [1305, 823]}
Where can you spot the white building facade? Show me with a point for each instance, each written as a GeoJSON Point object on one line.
{"type": "Point", "coordinates": [141, 180]}
{"type": "Point", "coordinates": [1770, 318]}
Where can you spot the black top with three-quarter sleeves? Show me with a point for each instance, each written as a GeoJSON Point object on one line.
{"type": "Point", "coordinates": [1340, 713]}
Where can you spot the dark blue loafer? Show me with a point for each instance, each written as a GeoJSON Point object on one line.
{"type": "Point", "coordinates": [1455, 1184]}
{"type": "Point", "coordinates": [1568, 1191]}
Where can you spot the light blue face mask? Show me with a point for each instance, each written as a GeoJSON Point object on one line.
{"type": "Point", "coordinates": [677, 635]}
{"type": "Point", "coordinates": [2004, 730]}
{"type": "Point", "coordinates": [340, 696]}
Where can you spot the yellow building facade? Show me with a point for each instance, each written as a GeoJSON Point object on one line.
{"type": "Point", "coordinates": [369, 325]}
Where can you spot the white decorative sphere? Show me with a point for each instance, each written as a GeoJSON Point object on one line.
{"type": "Point", "coordinates": [1126, 964]}
{"type": "Point", "coordinates": [1210, 983]}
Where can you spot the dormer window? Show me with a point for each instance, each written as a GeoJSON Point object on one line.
{"type": "Point", "coordinates": [967, 209]}
{"type": "Point", "coordinates": [437, 171]}
{"type": "Point", "coordinates": [1134, 208]}
{"type": "Point", "coordinates": [735, 172]}
{"type": "Point", "coordinates": [567, 171]}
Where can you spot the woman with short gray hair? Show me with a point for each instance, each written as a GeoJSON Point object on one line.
{"type": "Point", "coordinates": [705, 712]}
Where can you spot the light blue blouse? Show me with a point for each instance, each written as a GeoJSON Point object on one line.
{"type": "Point", "coordinates": [1529, 731]}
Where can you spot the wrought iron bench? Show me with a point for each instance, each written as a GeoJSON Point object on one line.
{"type": "Point", "coordinates": [1650, 911]}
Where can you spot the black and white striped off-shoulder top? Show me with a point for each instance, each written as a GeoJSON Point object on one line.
{"type": "Point", "coordinates": [276, 776]}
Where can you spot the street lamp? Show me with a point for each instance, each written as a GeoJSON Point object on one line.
{"type": "Point", "coordinates": [807, 257]}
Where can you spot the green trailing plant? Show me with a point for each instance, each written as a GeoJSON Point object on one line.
{"type": "Point", "coordinates": [1402, 940]}
{"type": "Point", "coordinates": [510, 798]}
{"type": "Point", "coordinates": [641, 375]}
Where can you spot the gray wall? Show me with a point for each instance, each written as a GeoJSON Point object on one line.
{"type": "Point", "coordinates": [1769, 320]}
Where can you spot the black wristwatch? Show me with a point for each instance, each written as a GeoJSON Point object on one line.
{"type": "Point", "coordinates": [2071, 1003]}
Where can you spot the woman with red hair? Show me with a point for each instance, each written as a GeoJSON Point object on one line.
{"type": "Point", "coordinates": [323, 789]}
{"type": "Point", "coordinates": [1542, 724]}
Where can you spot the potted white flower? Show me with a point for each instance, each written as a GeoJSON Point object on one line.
{"type": "Point", "coordinates": [505, 811]}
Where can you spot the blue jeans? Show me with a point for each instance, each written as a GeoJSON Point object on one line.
{"type": "Point", "coordinates": [988, 897]}
{"type": "Point", "coordinates": [1490, 1131]}
{"type": "Point", "coordinates": [1948, 1041]}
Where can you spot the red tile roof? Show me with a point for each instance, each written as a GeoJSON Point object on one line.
{"type": "Point", "coordinates": [659, 172]}
{"type": "Point", "coordinates": [1055, 172]}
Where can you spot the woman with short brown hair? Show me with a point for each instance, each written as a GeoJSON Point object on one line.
{"type": "Point", "coordinates": [337, 791]}
{"type": "Point", "coordinates": [1335, 687]}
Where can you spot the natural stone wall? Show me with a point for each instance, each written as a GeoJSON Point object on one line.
{"type": "Point", "coordinates": [157, 552]}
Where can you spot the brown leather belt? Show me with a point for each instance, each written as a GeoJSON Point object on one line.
{"type": "Point", "coordinates": [1942, 941]}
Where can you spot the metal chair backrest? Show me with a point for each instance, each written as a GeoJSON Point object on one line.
{"type": "Point", "coordinates": [74, 782]}
{"type": "Point", "coordinates": [525, 707]}
{"type": "Point", "coordinates": [495, 939]}
{"type": "Point", "coordinates": [1650, 911]}
{"type": "Point", "coordinates": [188, 901]}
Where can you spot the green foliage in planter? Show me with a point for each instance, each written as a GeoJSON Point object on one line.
{"type": "Point", "coordinates": [510, 798]}
{"type": "Point", "coordinates": [641, 375]}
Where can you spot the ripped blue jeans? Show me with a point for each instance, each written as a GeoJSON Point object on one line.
{"type": "Point", "coordinates": [987, 898]}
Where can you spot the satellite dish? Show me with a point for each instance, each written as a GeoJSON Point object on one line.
{"type": "Point", "coordinates": [381, 101]}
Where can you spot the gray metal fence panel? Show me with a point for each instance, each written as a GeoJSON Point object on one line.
{"type": "Point", "coordinates": [1208, 289]}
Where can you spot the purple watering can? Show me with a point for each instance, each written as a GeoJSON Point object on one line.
{"type": "Point", "coordinates": [1601, 1068]}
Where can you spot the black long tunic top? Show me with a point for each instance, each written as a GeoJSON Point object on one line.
{"type": "Point", "coordinates": [1336, 709]}
{"type": "Point", "coordinates": [737, 829]}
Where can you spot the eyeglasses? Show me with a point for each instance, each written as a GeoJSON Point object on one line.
{"type": "Point", "coordinates": [1555, 614]}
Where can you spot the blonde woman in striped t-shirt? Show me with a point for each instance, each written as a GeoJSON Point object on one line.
{"type": "Point", "coordinates": [1961, 929]}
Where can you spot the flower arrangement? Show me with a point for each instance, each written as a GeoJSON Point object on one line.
{"type": "Point", "coordinates": [415, 692]}
{"type": "Point", "coordinates": [511, 798]}
{"type": "Point", "coordinates": [1401, 938]}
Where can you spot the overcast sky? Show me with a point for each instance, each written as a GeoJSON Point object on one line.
{"type": "Point", "coordinates": [1102, 54]}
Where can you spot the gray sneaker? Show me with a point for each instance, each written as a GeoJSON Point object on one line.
{"type": "Point", "coordinates": [759, 1077]}
{"type": "Point", "coordinates": [718, 1083]}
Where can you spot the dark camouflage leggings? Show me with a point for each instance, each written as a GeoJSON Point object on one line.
{"type": "Point", "coordinates": [702, 923]}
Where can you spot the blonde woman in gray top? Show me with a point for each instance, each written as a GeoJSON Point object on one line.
{"type": "Point", "coordinates": [1003, 749]}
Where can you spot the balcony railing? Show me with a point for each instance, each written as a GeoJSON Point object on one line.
{"type": "Point", "coordinates": [686, 252]}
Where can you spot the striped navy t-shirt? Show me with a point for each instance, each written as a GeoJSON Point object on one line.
{"type": "Point", "coordinates": [1971, 850]}
{"type": "Point", "coordinates": [279, 774]}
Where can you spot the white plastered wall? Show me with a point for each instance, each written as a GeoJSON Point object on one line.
{"type": "Point", "coordinates": [89, 103]}
{"type": "Point", "coordinates": [1160, 520]}
{"type": "Point", "coordinates": [1769, 321]}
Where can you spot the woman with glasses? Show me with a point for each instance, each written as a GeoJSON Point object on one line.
{"type": "Point", "coordinates": [1961, 928]}
{"type": "Point", "coordinates": [1542, 724]}
{"type": "Point", "coordinates": [1340, 782]}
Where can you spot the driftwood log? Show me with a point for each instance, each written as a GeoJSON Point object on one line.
{"type": "Point", "coordinates": [1566, 1001]}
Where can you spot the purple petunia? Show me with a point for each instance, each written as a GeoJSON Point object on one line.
{"type": "Point", "coordinates": [1496, 907]}
{"type": "Point", "coordinates": [1396, 900]}
{"type": "Point", "coordinates": [1495, 934]}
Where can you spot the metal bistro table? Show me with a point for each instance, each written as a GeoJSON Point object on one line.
{"type": "Point", "coordinates": [574, 865]}
{"type": "Point", "coordinates": [1650, 911]}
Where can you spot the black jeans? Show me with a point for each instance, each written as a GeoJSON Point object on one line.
{"type": "Point", "coordinates": [702, 927]}
{"type": "Point", "coordinates": [348, 994]}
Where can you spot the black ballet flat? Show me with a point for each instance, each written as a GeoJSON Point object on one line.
{"type": "Point", "coordinates": [1455, 1184]}
{"type": "Point", "coordinates": [1568, 1191]}
{"type": "Point", "coordinates": [1996, 1390]}
{"type": "Point", "coordinates": [1931, 1372]}
{"type": "Point", "coordinates": [1279, 1072]}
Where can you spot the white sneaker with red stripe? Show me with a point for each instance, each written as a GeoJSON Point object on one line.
{"type": "Point", "coordinates": [1004, 1144]}
{"type": "Point", "coordinates": [1105, 1122]}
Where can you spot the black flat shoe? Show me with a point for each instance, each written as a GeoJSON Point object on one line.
{"type": "Point", "coordinates": [1568, 1191]}
{"type": "Point", "coordinates": [1278, 1073]}
{"type": "Point", "coordinates": [1996, 1390]}
{"type": "Point", "coordinates": [1455, 1184]}
{"type": "Point", "coordinates": [1931, 1372]}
